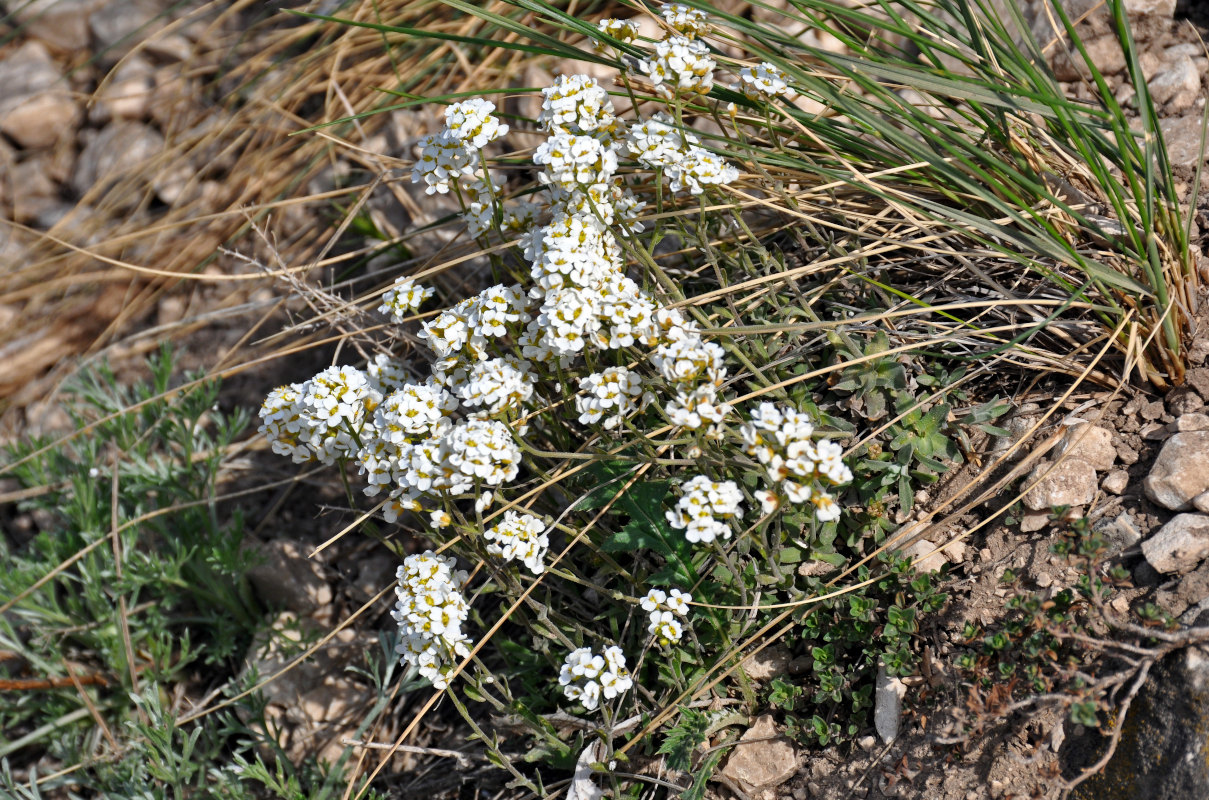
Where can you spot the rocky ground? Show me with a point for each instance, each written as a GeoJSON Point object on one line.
{"type": "Point", "coordinates": [93, 92]}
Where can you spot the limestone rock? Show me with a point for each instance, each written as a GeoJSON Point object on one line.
{"type": "Point", "coordinates": [1089, 443]}
{"type": "Point", "coordinates": [36, 107]}
{"type": "Point", "coordinates": [126, 94]}
{"type": "Point", "coordinates": [1033, 521]}
{"type": "Point", "coordinates": [769, 663]}
{"type": "Point", "coordinates": [1179, 545]}
{"type": "Point", "coordinates": [1161, 754]}
{"type": "Point", "coordinates": [1106, 54]}
{"type": "Point", "coordinates": [1071, 483]}
{"type": "Point", "coordinates": [1121, 533]}
{"type": "Point", "coordinates": [1150, 8]}
{"type": "Point", "coordinates": [1183, 138]}
{"type": "Point", "coordinates": [62, 24]}
{"type": "Point", "coordinates": [117, 152]}
{"type": "Point", "coordinates": [1201, 502]}
{"type": "Point", "coordinates": [1116, 482]}
{"type": "Point", "coordinates": [933, 557]}
{"type": "Point", "coordinates": [288, 579]}
{"type": "Point", "coordinates": [888, 705]}
{"type": "Point", "coordinates": [119, 24]}
{"type": "Point", "coordinates": [1181, 471]}
{"type": "Point", "coordinates": [1198, 379]}
{"type": "Point", "coordinates": [1184, 400]}
{"type": "Point", "coordinates": [1178, 85]}
{"type": "Point", "coordinates": [760, 761]}
{"type": "Point", "coordinates": [1191, 422]}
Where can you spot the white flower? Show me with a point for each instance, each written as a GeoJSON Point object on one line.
{"type": "Point", "coordinates": [586, 677]}
{"type": "Point", "coordinates": [430, 612]}
{"type": "Point", "coordinates": [680, 65]}
{"type": "Point", "coordinates": [572, 161]}
{"type": "Point", "coordinates": [611, 394]}
{"type": "Point", "coordinates": [689, 361]}
{"type": "Point", "coordinates": [498, 384]}
{"type": "Point", "coordinates": [623, 30]}
{"type": "Point", "coordinates": [763, 82]}
{"type": "Point", "coordinates": [691, 22]}
{"type": "Point", "coordinates": [576, 104]}
{"type": "Point", "coordinates": [801, 469]}
{"type": "Point", "coordinates": [443, 159]}
{"type": "Point", "coordinates": [403, 298]}
{"type": "Point", "coordinates": [700, 168]}
{"type": "Point", "coordinates": [654, 600]}
{"type": "Point", "coordinates": [665, 628]}
{"type": "Point", "coordinates": [519, 537]}
{"type": "Point", "coordinates": [282, 423]}
{"type": "Point", "coordinates": [705, 508]}
{"type": "Point", "coordinates": [658, 143]}
{"type": "Point", "coordinates": [440, 519]}
{"type": "Point", "coordinates": [698, 408]}
{"type": "Point", "coordinates": [471, 122]}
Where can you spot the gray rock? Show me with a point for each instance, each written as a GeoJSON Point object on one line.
{"type": "Point", "coordinates": [1115, 482]}
{"type": "Point", "coordinates": [1198, 379]}
{"type": "Point", "coordinates": [126, 93]}
{"type": "Point", "coordinates": [1033, 521]}
{"type": "Point", "coordinates": [38, 193]}
{"type": "Point", "coordinates": [288, 579]}
{"type": "Point", "coordinates": [1086, 442]}
{"type": "Point", "coordinates": [1178, 86]}
{"type": "Point", "coordinates": [1183, 138]}
{"type": "Point", "coordinates": [1180, 472]}
{"type": "Point", "coordinates": [1106, 54]}
{"type": "Point", "coordinates": [1191, 422]}
{"type": "Point", "coordinates": [763, 759]}
{"type": "Point", "coordinates": [1201, 502]}
{"type": "Point", "coordinates": [1071, 483]}
{"type": "Point", "coordinates": [1153, 410]}
{"type": "Point", "coordinates": [769, 663]}
{"type": "Point", "coordinates": [1161, 753]}
{"type": "Point", "coordinates": [36, 107]}
{"type": "Point", "coordinates": [120, 24]}
{"type": "Point", "coordinates": [118, 151]}
{"type": "Point", "coordinates": [1184, 400]}
{"type": "Point", "coordinates": [62, 24]}
{"type": "Point", "coordinates": [888, 705]}
{"type": "Point", "coordinates": [1179, 545]}
{"type": "Point", "coordinates": [1154, 8]}
{"type": "Point", "coordinates": [1121, 533]}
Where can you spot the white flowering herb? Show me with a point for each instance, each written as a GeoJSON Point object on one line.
{"type": "Point", "coordinates": [799, 468]}
{"type": "Point", "coordinates": [404, 298]}
{"type": "Point", "coordinates": [519, 537]}
{"type": "Point", "coordinates": [763, 82]}
{"type": "Point", "coordinates": [705, 509]}
{"type": "Point", "coordinates": [586, 677]}
{"type": "Point", "coordinates": [471, 123]}
{"type": "Point", "coordinates": [680, 66]}
{"type": "Point", "coordinates": [666, 611]}
{"type": "Point", "coordinates": [689, 21]}
{"type": "Point", "coordinates": [430, 612]}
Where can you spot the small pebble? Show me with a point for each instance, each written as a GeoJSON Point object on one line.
{"type": "Point", "coordinates": [1116, 482]}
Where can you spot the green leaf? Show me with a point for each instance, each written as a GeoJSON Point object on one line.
{"type": "Point", "coordinates": [686, 737]}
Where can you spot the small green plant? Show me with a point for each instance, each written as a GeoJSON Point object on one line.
{"type": "Point", "coordinates": [133, 583]}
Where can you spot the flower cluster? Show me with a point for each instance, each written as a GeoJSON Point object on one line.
{"type": "Point", "coordinates": [681, 65]}
{"type": "Point", "coordinates": [403, 298]}
{"type": "Point", "coordinates": [430, 612]}
{"type": "Point", "coordinates": [612, 395]}
{"type": "Point", "coordinates": [471, 123]}
{"type": "Point", "coordinates": [587, 677]}
{"type": "Point", "coordinates": [623, 30]}
{"type": "Point", "coordinates": [800, 469]}
{"type": "Point", "coordinates": [664, 608]}
{"type": "Point", "coordinates": [692, 22]}
{"type": "Point", "coordinates": [763, 82]}
{"type": "Point", "coordinates": [318, 420]}
{"type": "Point", "coordinates": [705, 508]}
{"type": "Point", "coordinates": [658, 144]}
{"type": "Point", "coordinates": [519, 537]}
